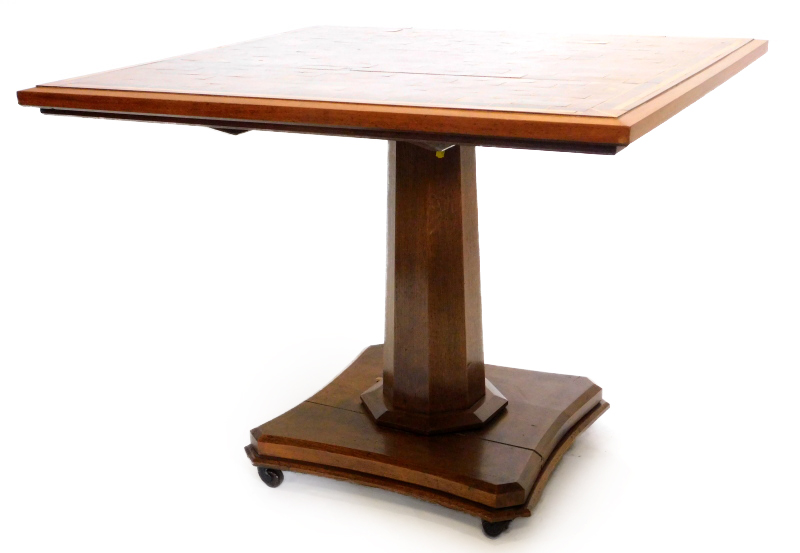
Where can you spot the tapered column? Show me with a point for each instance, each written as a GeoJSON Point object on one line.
{"type": "Point", "coordinates": [433, 377]}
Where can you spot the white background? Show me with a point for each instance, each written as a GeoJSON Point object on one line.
{"type": "Point", "coordinates": [164, 289]}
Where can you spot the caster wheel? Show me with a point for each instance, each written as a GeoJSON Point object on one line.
{"type": "Point", "coordinates": [494, 529]}
{"type": "Point", "coordinates": [271, 477]}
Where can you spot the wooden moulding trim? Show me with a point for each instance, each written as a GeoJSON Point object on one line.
{"type": "Point", "coordinates": [506, 495]}
{"type": "Point", "coordinates": [412, 490]}
{"type": "Point", "coordinates": [652, 113]}
{"type": "Point", "coordinates": [529, 126]}
{"type": "Point", "coordinates": [559, 451]}
{"type": "Point", "coordinates": [426, 139]}
{"type": "Point", "coordinates": [565, 423]}
{"type": "Point", "coordinates": [447, 500]}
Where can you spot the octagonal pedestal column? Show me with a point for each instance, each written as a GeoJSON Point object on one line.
{"type": "Point", "coordinates": [433, 377]}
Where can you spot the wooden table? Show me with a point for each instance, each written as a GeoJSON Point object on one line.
{"type": "Point", "coordinates": [422, 414]}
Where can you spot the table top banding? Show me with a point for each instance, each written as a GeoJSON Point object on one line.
{"type": "Point", "coordinates": [577, 93]}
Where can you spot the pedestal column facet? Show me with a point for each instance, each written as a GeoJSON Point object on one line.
{"type": "Point", "coordinates": [433, 377]}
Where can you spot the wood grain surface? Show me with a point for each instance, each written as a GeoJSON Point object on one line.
{"type": "Point", "coordinates": [433, 326]}
{"type": "Point", "coordinates": [580, 75]}
{"type": "Point", "coordinates": [450, 501]}
{"type": "Point", "coordinates": [433, 370]}
{"type": "Point", "coordinates": [497, 466]}
{"type": "Point", "coordinates": [481, 84]}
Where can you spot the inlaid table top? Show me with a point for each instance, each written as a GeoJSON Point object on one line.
{"type": "Point", "coordinates": [589, 89]}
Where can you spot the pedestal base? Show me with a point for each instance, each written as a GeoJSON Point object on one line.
{"type": "Point", "coordinates": [483, 411]}
{"type": "Point", "coordinates": [496, 472]}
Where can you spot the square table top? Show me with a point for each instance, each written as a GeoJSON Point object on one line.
{"type": "Point", "coordinates": [479, 86]}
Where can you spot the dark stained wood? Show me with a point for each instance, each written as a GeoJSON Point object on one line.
{"type": "Point", "coordinates": [477, 415]}
{"type": "Point", "coordinates": [433, 377]}
{"type": "Point", "coordinates": [446, 500]}
{"type": "Point", "coordinates": [561, 449]}
{"type": "Point", "coordinates": [233, 132]}
{"type": "Point", "coordinates": [397, 486]}
{"type": "Point", "coordinates": [531, 88]}
{"type": "Point", "coordinates": [496, 468]}
{"type": "Point", "coordinates": [555, 397]}
{"type": "Point", "coordinates": [490, 473]}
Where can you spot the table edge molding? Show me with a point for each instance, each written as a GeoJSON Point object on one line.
{"type": "Point", "coordinates": [647, 116]}
{"type": "Point", "coordinates": [479, 127]}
